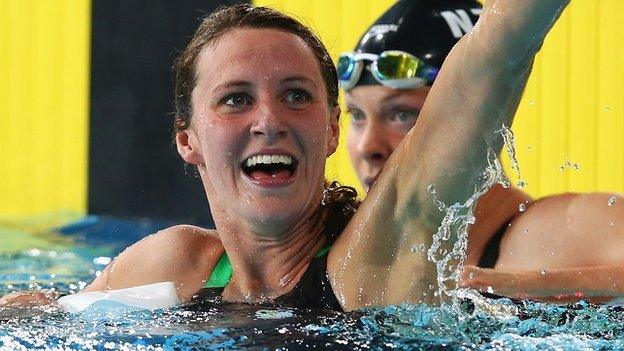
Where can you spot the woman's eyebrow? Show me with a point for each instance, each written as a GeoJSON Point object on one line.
{"type": "Point", "coordinates": [298, 78]}
{"type": "Point", "coordinates": [232, 84]}
{"type": "Point", "coordinates": [392, 96]}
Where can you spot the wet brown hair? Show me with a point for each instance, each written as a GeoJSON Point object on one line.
{"type": "Point", "coordinates": [226, 19]}
{"type": "Point", "coordinates": [339, 204]}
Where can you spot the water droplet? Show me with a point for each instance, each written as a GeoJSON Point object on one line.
{"type": "Point", "coordinates": [612, 200]}
{"type": "Point", "coordinates": [432, 188]}
{"type": "Point", "coordinates": [521, 184]}
{"type": "Point", "coordinates": [611, 224]}
{"type": "Point", "coordinates": [543, 271]}
{"type": "Point", "coordinates": [531, 102]}
{"type": "Point", "coordinates": [525, 232]}
{"type": "Point", "coordinates": [471, 275]}
{"type": "Point", "coordinates": [607, 109]}
{"type": "Point", "coordinates": [521, 207]}
{"type": "Point", "coordinates": [490, 290]}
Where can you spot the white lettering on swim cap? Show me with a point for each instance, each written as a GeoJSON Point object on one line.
{"type": "Point", "coordinates": [459, 22]}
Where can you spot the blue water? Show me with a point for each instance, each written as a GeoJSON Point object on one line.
{"type": "Point", "coordinates": [67, 258]}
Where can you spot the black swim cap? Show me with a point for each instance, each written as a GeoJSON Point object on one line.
{"type": "Point", "coordinates": [427, 29]}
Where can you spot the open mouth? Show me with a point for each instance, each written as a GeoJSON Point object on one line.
{"type": "Point", "coordinates": [270, 169]}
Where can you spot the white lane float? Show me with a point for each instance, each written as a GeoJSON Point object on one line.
{"type": "Point", "coordinates": [151, 296]}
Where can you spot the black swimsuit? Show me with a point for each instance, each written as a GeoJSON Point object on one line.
{"type": "Point", "coordinates": [312, 291]}
{"type": "Point", "coordinates": [492, 249]}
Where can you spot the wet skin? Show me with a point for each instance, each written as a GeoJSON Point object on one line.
{"type": "Point", "coordinates": [272, 234]}
{"type": "Point", "coordinates": [562, 248]}
{"type": "Point", "coordinates": [380, 118]}
{"type": "Point", "coordinates": [259, 91]}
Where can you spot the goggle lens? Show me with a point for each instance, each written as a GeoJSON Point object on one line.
{"type": "Point", "coordinates": [345, 68]}
{"type": "Point", "coordinates": [397, 65]}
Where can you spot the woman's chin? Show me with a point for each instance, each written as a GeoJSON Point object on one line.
{"type": "Point", "coordinates": [273, 214]}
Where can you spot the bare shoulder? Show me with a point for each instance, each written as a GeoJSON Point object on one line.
{"type": "Point", "coordinates": [178, 242]}
{"type": "Point", "coordinates": [566, 230]}
{"type": "Point", "coordinates": [182, 254]}
{"type": "Point", "coordinates": [181, 236]}
{"type": "Point", "coordinates": [577, 206]}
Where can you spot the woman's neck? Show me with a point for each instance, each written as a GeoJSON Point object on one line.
{"type": "Point", "coordinates": [268, 266]}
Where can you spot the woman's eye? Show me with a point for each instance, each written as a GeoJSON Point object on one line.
{"type": "Point", "coordinates": [297, 97]}
{"type": "Point", "coordinates": [408, 116]}
{"type": "Point", "coordinates": [237, 100]}
{"type": "Point", "coordinates": [356, 114]}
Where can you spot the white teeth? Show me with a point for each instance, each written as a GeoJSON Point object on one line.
{"type": "Point", "coordinates": [268, 159]}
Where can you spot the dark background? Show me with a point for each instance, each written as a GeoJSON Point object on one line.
{"type": "Point", "coordinates": [134, 169]}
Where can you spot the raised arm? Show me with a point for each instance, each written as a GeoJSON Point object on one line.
{"type": "Point", "coordinates": [381, 257]}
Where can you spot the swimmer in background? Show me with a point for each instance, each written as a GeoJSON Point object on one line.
{"type": "Point", "coordinates": [411, 34]}
{"type": "Point", "coordinates": [257, 113]}
{"type": "Point", "coordinates": [539, 252]}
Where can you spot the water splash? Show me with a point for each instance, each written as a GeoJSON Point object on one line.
{"type": "Point", "coordinates": [522, 207]}
{"type": "Point", "coordinates": [454, 229]}
{"type": "Point", "coordinates": [510, 147]}
{"type": "Point", "coordinates": [455, 225]}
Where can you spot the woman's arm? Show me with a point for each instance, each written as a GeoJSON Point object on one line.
{"type": "Point", "coordinates": [183, 254]}
{"type": "Point", "coordinates": [378, 260]}
{"type": "Point", "coordinates": [27, 299]}
{"type": "Point", "coordinates": [594, 284]}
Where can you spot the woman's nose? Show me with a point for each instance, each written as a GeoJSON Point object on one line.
{"type": "Point", "coordinates": [268, 123]}
{"type": "Point", "coordinates": [373, 145]}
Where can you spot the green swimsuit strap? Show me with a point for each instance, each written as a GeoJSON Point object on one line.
{"type": "Point", "coordinates": [222, 273]}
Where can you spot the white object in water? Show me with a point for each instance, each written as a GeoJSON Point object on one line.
{"type": "Point", "coordinates": [151, 296]}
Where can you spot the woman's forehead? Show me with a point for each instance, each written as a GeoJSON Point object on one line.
{"type": "Point", "coordinates": [380, 94]}
{"type": "Point", "coordinates": [247, 53]}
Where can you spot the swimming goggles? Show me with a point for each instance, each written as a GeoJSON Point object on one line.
{"type": "Point", "coordinates": [395, 69]}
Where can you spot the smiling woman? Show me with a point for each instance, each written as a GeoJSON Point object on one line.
{"type": "Point", "coordinates": [256, 104]}
{"type": "Point", "coordinates": [287, 101]}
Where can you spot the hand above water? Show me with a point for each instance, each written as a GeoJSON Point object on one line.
{"type": "Point", "coordinates": [27, 299]}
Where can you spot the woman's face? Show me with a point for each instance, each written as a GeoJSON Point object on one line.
{"type": "Point", "coordinates": [261, 128]}
{"type": "Point", "coordinates": [380, 119]}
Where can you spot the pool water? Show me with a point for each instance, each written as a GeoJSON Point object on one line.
{"type": "Point", "coordinates": [66, 259]}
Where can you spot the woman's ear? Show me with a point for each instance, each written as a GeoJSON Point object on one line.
{"type": "Point", "coordinates": [333, 131]}
{"type": "Point", "coordinates": [188, 148]}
